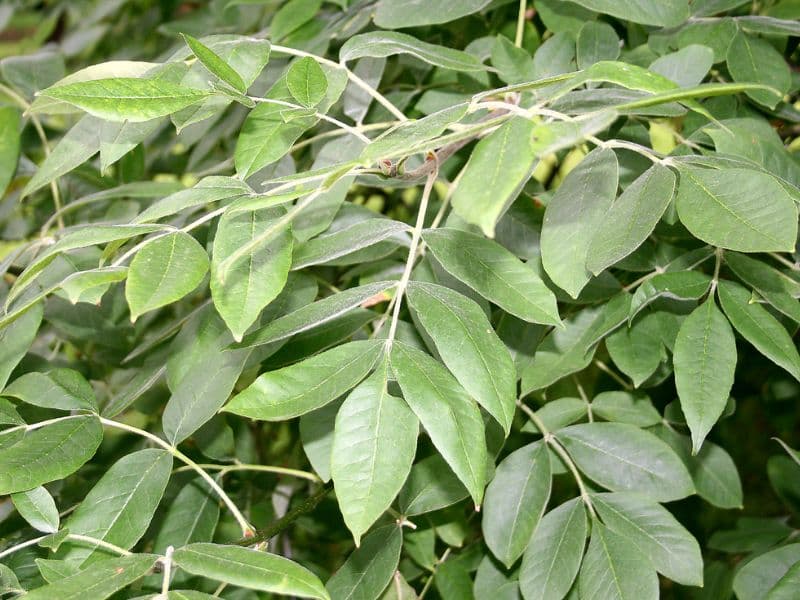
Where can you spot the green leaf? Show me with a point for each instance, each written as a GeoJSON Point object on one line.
{"type": "Point", "coordinates": [662, 13]}
{"type": "Point", "coordinates": [399, 14]}
{"type": "Point", "coordinates": [772, 285]}
{"type": "Point", "coordinates": [409, 135]}
{"type": "Point", "coordinates": [759, 327]}
{"type": "Point", "coordinates": [737, 209]}
{"type": "Point", "coordinates": [164, 271]}
{"type": "Point", "coordinates": [191, 517]}
{"type": "Point", "coordinates": [126, 98]}
{"type": "Point", "coordinates": [573, 215]}
{"type": "Point", "coordinates": [62, 389]}
{"type": "Point", "coordinates": [497, 169]}
{"type": "Point", "coordinates": [252, 569]}
{"type": "Point", "coordinates": [553, 557]}
{"type": "Point", "coordinates": [655, 533]}
{"type": "Point", "coordinates": [754, 580]}
{"type": "Point", "coordinates": [380, 44]}
{"type": "Point", "coordinates": [10, 127]}
{"type": "Point", "coordinates": [431, 485]}
{"type": "Point", "coordinates": [307, 385]}
{"type": "Point", "coordinates": [596, 41]}
{"type": "Point", "coordinates": [615, 569]}
{"type": "Point", "coordinates": [374, 442]}
{"type": "Point", "coordinates": [754, 60]}
{"type": "Point", "coordinates": [307, 82]}
{"type": "Point", "coordinates": [787, 586]}
{"type": "Point", "coordinates": [207, 190]}
{"type": "Point", "coordinates": [468, 346]}
{"type": "Point", "coordinates": [362, 234]}
{"type": "Point", "coordinates": [678, 285]}
{"type": "Point", "coordinates": [631, 218]}
{"type": "Point", "coordinates": [516, 499]}
{"type": "Point", "coordinates": [38, 508]}
{"type": "Point", "coordinates": [638, 350]}
{"type": "Point", "coordinates": [625, 407]}
{"type": "Point", "coordinates": [48, 453]}
{"type": "Point", "coordinates": [494, 273]}
{"type": "Point", "coordinates": [254, 280]}
{"type": "Point", "coordinates": [369, 569]}
{"type": "Point", "coordinates": [704, 361]}
{"type": "Point", "coordinates": [687, 67]}
{"type": "Point", "coordinates": [101, 581]}
{"type": "Point", "coordinates": [315, 314]}
{"type": "Point", "coordinates": [16, 338]}
{"type": "Point", "coordinates": [449, 415]}
{"type": "Point", "coordinates": [214, 63]}
{"type": "Point", "coordinates": [90, 286]}
{"type": "Point", "coordinates": [291, 16]}
{"type": "Point", "coordinates": [119, 508]}
{"type": "Point", "coordinates": [621, 457]}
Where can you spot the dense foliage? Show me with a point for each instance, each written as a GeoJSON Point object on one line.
{"type": "Point", "coordinates": [399, 299]}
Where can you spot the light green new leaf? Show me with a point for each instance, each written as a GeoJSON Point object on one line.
{"type": "Point", "coordinates": [369, 569]}
{"type": "Point", "coordinates": [631, 218]}
{"type": "Point", "coordinates": [252, 569]}
{"type": "Point", "coordinates": [374, 442]}
{"type": "Point", "coordinates": [704, 361]}
{"type": "Point", "coordinates": [449, 415]}
{"type": "Point", "coordinates": [307, 82]}
{"type": "Point", "coordinates": [10, 122]}
{"type": "Point", "coordinates": [737, 209]}
{"type": "Point", "coordinates": [38, 508]}
{"type": "Point", "coordinates": [495, 273]}
{"type": "Point", "coordinates": [759, 327]}
{"type": "Point", "coordinates": [554, 555]}
{"type": "Point", "coordinates": [379, 44]}
{"type": "Point", "coordinates": [307, 385]}
{"type": "Point", "coordinates": [468, 346]}
{"type": "Point", "coordinates": [572, 217]}
{"type": "Point", "coordinates": [16, 338]}
{"type": "Point", "coordinates": [101, 581]}
{"type": "Point", "coordinates": [360, 235]}
{"type": "Point", "coordinates": [662, 13]}
{"type": "Point", "coordinates": [253, 281]}
{"type": "Point", "coordinates": [622, 457]}
{"type": "Point", "coordinates": [399, 14]}
{"type": "Point", "coordinates": [655, 532]}
{"type": "Point", "coordinates": [119, 508]}
{"type": "Point", "coordinates": [516, 499]}
{"type": "Point", "coordinates": [497, 169]}
{"type": "Point", "coordinates": [755, 579]}
{"type": "Point", "coordinates": [164, 271]}
{"type": "Point", "coordinates": [752, 59]}
{"type": "Point", "coordinates": [62, 389]}
{"type": "Point", "coordinates": [214, 63]}
{"type": "Point", "coordinates": [314, 314]}
{"type": "Point", "coordinates": [48, 453]}
{"type": "Point", "coordinates": [615, 569]}
{"type": "Point", "coordinates": [625, 407]}
{"type": "Point", "coordinates": [126, 98]}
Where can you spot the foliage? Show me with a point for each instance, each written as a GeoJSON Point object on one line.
{"type": "Point", "coordinates": [394, 299]}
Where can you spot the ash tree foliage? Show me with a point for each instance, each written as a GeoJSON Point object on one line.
{"type": "Point", "coordinates": [397, 299]}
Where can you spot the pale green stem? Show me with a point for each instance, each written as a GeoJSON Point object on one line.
{"type": "Point", "coordinates": [784, 261]}
{"type": "Point", "coordinates": [166, 561]}
{"type": "Point", "coordinates": [428, 583]}
{"type": "Point", "coordinates": [520, 23]}
{"type": "Point", "coordinates": [70, 536]}
{"type": "Point", "coordinates": [224, 469]}
{"type": "Point", "coordinates": [40, 424]}
{"type": "Point", "coordinates": [375, 94]}
{"type": "Point", "coordinates": [613, 374]}
{"type": "Point", "coordinates": [416, 235]}
{"type": "Point", "coordinates": [247, 529]}
{"type": "Point", "coordinates": [551, 440]}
